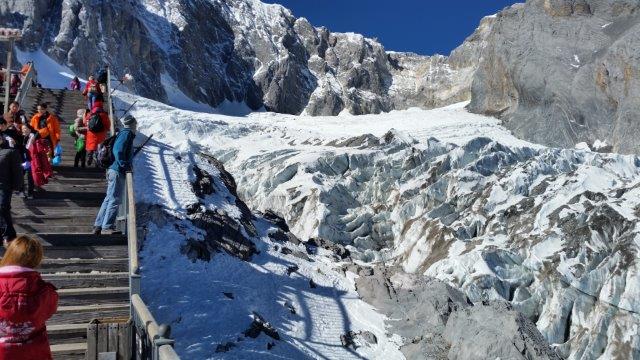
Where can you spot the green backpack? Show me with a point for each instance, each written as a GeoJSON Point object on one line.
{"type": "Point", "coordinates": [72, 130]}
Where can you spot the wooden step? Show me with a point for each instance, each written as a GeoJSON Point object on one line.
{"type": "Point", "coordinates": [83, 314]}
{"type": "Point", "coordinates": [85, 196]}
{"type": "Point", "coordinates": [34, 228]}
{"type": "Point", "coordinates": [86, 252]}
{"type": "Point", "coordinates": [69, 351]}
{"type": "Point", "coordinates": [56, 239]}
{"type": "Point", "coordinates": [66, 333]}
{"type": "Point", "coordinates": [83, 265]}
{"type": "Point", "coordinates": [99, 295]}
{"type": "Point", "coordinates": [88, 280]}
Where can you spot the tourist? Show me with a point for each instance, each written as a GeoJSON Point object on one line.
{"type": "Point", "coordinates": [10, 180]}
{"type": "Point", "coordinates": [38, 150]}
{"type": "Point", "coordinates": [123, 158]}
{"type": "Point", "coordinates": [91, 92]}
{"type": "Point", "coordinates": [15, 114]}
{"type": "Point", "coordinates": [80, 133]}
{"type": "Point", "coordinates": [48, 126]}
{"type": "Point", "coordinates": [97, 124]}
{"type": "Point", "coordinates": [27, 302]}
{"type": "Point", "coordinates": [15, 85]}
{"type": "Point", "coordinates": [9, 133]}
{"type": "Point", "coordinates": [29, 137]}
{"type": "Point", "coordinates": [74, 85]}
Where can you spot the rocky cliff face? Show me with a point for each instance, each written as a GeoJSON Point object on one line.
{"type": "Point", "coordinates": [241, 51]}
{"type": "Point", "coordinates": [560, 72]}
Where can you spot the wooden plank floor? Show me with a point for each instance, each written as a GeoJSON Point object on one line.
{"type": "Point", "coordinates": [89, 271]}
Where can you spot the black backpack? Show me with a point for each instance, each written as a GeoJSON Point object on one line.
{"type": "Point", "coordinates": [95, 123]}
{"type": "Point", "coordinates": [102, 77]}
{"type": "Point", "coordinates": [105, 156]}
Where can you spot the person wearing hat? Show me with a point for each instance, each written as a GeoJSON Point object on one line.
{"type": "Point", "coordinates": [123, 160]}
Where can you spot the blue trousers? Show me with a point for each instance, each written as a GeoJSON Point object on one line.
{"type": "Point", "coordinates": [91, 98]}
{"type": "Point", "coordinates": [106, 218]}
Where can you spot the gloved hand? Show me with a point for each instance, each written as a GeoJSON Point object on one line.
{"type": "Point", "coordinates": [58, 150]}
{"type": "Point", "coordinates": [26, 165]}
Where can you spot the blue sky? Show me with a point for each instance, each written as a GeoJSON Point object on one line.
{"type": "Point", "coordinates": [421, 26]}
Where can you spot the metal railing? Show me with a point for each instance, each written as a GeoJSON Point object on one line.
{"type": "Point", "coordinates": [26, 84]}
{"type": "Point", "coordinates": [152, 341]}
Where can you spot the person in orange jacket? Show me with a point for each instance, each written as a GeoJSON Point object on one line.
{"type": "Point", "coordinates": [95, 136]}
{"type": "Point", "coordinates": [47, 125]}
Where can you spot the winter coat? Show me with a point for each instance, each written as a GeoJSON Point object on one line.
{"type": "Point", "coordinates": [92, 87]}
{"type": "Point", "coordinates": [27, 142]}
{"type": "Point", "coordinates": [123, 151]}
{"type": "Point", "coordinates": [41, 169]}
{"type": "Point", "coordinates": [94, 139]}
{"type": "Point", "coordinates": [27, 303]}
{"type": "Point", "coordinates": [80, 129]}
{"type": "Point", "coordinates": [74, 85]}
{"type": "Point", "coordinates": [10, 169]}
{"type": "Point", "coordinates": [48, 126]}
{"type": "Point", "coordinates": [18, 118]}
{"type": "Point", "coordinates": [15, 85]}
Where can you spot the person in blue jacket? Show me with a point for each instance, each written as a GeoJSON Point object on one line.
{"type": "Point", "coordinates": [123, 157]}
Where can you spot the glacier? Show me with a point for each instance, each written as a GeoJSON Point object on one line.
{"type": "Point", "coordinates": [449, 195]}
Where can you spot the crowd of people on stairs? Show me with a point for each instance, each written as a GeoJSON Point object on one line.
{"type": "Point", "coordinates": [28, 150]}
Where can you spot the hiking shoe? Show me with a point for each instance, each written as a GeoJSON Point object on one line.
{"type": "Point", "coordinates": [114, 232]}
{"type": "Point", "coordinates": [97, 230]}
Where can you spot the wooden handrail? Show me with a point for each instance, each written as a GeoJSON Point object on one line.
{"type": "Point", "coordinates": [26, 85]}
{"type": "Point", "coordinates": [162, 347]}
{"type": "Point", "coordinates": [145, 318]}
{"type": "Point", "coordinates": [132, 231]}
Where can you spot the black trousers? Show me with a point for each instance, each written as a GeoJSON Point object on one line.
{"type": "Point", "coordinates": [29, 177]}
{"type": "Point", "coordinates": [6, 224]}
{"type": "Point", "coordinates": [81, 158]}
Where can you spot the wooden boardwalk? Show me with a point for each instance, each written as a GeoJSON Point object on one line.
{"type": "Point", "coordinates": [90, 272]}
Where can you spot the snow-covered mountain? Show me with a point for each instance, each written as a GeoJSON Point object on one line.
{"type": "Point", "coordinates": [448, 195]}
{"type": "Point", "coordinates": [558, 72]}
{"type": "Point", "coordinates": [217, 52]}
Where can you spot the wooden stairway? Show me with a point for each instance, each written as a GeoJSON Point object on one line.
{"type": "Point", "coordinates": [89, 271]}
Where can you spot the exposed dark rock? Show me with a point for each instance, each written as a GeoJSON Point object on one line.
{"type": "Point", "coordinates": [347, 339]}
{"type": "Point", "coordinates": [224, 232]}
{"type": "Point", "coordinates": [276, 219]}
{"type": "Point", "coordinates": [291, 269]}
{"type": "Point", "coordinates": [204, 184]}
{"type": "Point", "coordinates": [198, 250]}
{"type": "Point", "coordinates": [230, 183]}
{"type": "Point", "coordinates": [260, 325]}
{"type": "Point", "coordinates": [222, 348]}
{"type": "Point", "coordinates": [338, 249]}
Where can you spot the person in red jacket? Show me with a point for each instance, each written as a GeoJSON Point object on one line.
{"type": "Point", "coordinates": [95, 137]}
{"type": "Point", "coordinates": [27, 303]}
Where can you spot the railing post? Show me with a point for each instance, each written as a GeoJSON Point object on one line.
{"type": "Point", "coordinates": [163, 338]}
{"type": "Point", "coordinates": [7, 78]}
